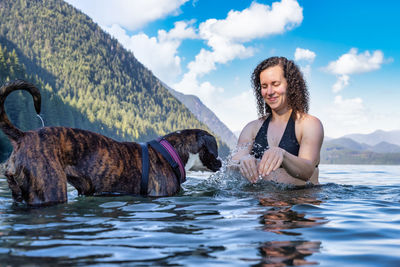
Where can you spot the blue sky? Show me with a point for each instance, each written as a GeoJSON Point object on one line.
{"type": "Point", "coordinates": [348, 51]}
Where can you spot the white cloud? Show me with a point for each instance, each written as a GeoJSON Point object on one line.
{"type": "Point", "coordinates": [236, 111]}
{"type": "Point", "coordinates": [205, 90]}
{"type": "Point", "coordinates": [351, 115]}
{"type": "Point", "coordinates": [226, 40]}
{"type": "Point", "coordinates": [226, 37]}
{"type": "Point", "coordinates": [349, 111]}
{"type": "Point", "coordinates": [351, 63]}
{"type": "Point", "coordinates": [346, 116]}
{"type": "Point", "coordinates": [254, 22]}
{"type": "Point", "coordinates": [182, 30]}
{"type": "Point", "coordinates": [130, 14]}
{"type": "Point", "coordinates": [341, 82]}
{"type": "Point", "coordinates": [304, 54]}
{"type": "Point", "coordinates": [158, 54]}
{"type": "Point", "coordinates": [306, 70]}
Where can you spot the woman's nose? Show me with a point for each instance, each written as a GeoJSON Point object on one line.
{"type": "Point", "coordinates": [269, 90]}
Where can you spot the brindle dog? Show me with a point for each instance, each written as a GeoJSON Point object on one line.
{"type": "Point", "coordinates": [44, 160]}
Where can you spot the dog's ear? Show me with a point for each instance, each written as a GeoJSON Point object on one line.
{"type": "Point", "coordinates": [209, 142]}
{"type": "Point", "coordinates": [209, 152]}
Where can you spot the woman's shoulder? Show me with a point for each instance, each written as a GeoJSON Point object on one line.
{"type": "Point", "coordinates": [310, 125]}
{"type": "Point", "coordinates": [308, 120]}
{"type": "Point", "coordinates": [255, 125]}
{"type": "Point", "coordinates": [251, 129]}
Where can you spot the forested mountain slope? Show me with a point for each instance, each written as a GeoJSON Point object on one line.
{"type": "Point", "coordinates": [20, 110]}
{"type": "Point", "coordinates": [89, 72]}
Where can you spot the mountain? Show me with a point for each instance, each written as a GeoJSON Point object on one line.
{"type": "Point", "coordinates": [385, 147]}
{"type": "Point", "coordinates": [348, 143]}
{"type": "Point", "coordinates": [20, 110]}
{"type": "Point", "coordinates": [347, 151]}
{"type": "Point", "coordinates": [382, 147]}
{"type": "Point", "coordinates": [89, 72]}
{"type": "Point", "coordinates": [205, 115]}
{"type": "Point", "coordinates": [377, 137]}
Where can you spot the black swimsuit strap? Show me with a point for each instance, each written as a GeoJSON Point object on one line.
{"type": "Point", "coordinates": [288, 140]}
{"type": "Point", "coordinates": [262, 133]}
{"type": "Point", "coordinates": [260, 142]}
{"type": "Point", "coordinates": [289, 131]}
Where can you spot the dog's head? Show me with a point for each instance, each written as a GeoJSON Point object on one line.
{"type": "Point", "coordinates": [208, 151]}
{"type": "Point", "coordinates": [197, 148]}
{"type": "Point", "coordinates": [29, 185]}
{"type": "Point", "coordinates": [16, 183]}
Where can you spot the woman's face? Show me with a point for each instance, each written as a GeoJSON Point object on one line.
{"type": "Point", "coordinates": [274, 88]}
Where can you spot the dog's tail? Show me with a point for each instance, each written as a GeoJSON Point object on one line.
{"type": "Point", "coordinates": [13, 133]}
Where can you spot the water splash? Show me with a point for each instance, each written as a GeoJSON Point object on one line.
{"type": "Point", "coordinates": [41, 119]}
{"type": "Point", "coordinates": [229, 181]}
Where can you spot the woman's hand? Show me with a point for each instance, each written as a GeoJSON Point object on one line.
{"type": "Point", "coordinates": [248, 168]}
{"type": "Point", "coordinates": [271, 160]}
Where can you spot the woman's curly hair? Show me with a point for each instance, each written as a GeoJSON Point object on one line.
{"type": "Point", "coordinates": [297, 92]}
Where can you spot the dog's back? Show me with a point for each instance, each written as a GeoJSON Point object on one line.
{"type": "Point", "coordinates": [44, 160]}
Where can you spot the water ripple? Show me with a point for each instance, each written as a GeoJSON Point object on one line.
{"type": "Point", "coordinates": [353, 218]}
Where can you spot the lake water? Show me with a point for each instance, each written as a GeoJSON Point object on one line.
{"type": "Point", "coordinates": [353, 219]}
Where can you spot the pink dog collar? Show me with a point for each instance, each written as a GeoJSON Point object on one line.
{"type": "Point", "coordinates": [171, 150]}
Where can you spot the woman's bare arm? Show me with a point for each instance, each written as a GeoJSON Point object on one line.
{"type": "Point", "coordinates": [303, 165]}
{"type": "Point", "coordinates": [241, 158]}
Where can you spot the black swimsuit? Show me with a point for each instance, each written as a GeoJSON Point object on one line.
{"type": "Point", "coordinates": [288, 141]}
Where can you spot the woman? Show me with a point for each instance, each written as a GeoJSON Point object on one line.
{"type": "Point", "coordinates": [284, 144]}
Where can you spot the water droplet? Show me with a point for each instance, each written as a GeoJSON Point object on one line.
{"type": "Point", "coordinates": [40, 119]}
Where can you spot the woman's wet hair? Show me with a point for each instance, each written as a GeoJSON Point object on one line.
{"type": "Point", "coordinates": [297, 92]}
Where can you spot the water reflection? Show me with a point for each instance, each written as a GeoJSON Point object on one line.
{"type": "Point", "coordinates": [213, 222]}
{"type": "Point", "coordinates": [281, 219]}
{"type": "Point", "coordinates": [289, 253]}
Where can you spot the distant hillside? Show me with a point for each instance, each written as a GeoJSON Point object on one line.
{"type": "Point", "coordinates": [377, 137]}
{"type": "Point", "coordinates": [20, 110]}
{"type": "Point", "coordinates": [90, 72]}
{"type": "Point", "coordinates": [348, 143]}
{"type": "Point", "coordinates": [205, 115]}
{"type": "Point", "coordinates": [348, 151]}
{"type": "Point", "coordinates": [385, 147]}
